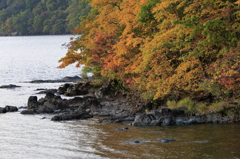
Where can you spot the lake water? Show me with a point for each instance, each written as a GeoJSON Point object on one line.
{"type": "Point", "coordinates": [28, 58]}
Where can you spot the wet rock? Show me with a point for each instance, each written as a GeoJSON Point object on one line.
{"type": "Point", "coordinates": [125, 119]}
{"type": "Point", "coordinates": [63, 89]}
{"type": "Point", "coordinates": [72, 116]}
{"type": "Point", "coordinates": [2, 110]}
{"type": "Point", "coordinates": [11, 108]}
{"type": "Point", "coordinates": [168, 121]}
{"type": "Point", "coordinates": [103, 91]}
{"type": "Point", "coordinates": [143, 120]}
{"type": "Point", "coordinates": [28, 111]}
{"type": "Point", "coordinates": [92, 104]}
{"type": "Point", "coordinates": [44, 109]}
{"type": "Point", "coordinates": [166, 140]}
{"type": "Point", "coordinates": [179, 121]}
{"type": "Point", "coordinates": [32, 102]}
{"type": "Point", "coordinates": [75, 89]}
{"type": "Point", "coordinates": [49, 96]}
{"type": "Point", "coordinates": [10, 86]}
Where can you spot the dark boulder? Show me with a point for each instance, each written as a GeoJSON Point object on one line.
{"type": "Point", "coordinates": [78, 114]}
{"type": "Point", "coordinates": [92, 104]}
{"type": "Point", "coordinates": [143, 120]}
{"type": "Point", "coordinates": [2, 110]}
{"type": "Point", "coordinates": [49, 96]}
{"type": "Point", "coordinates": [44, 109]}
{"type": "Point", "coordinates": [11, 108]}
{"type": "Point", "coordinates": [28, 111]}
{"type": "Point", "coordinates": [63, 89]}
{"type": "Point", "coordinates": [77, 89]}
{"type": "Point", "coordinates": [32, 102]}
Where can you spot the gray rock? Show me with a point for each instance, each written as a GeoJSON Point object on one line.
{"type": "Point", "coordinates": [92, 104]}
{"type": "Point", "coordinates": [179, 121]}
{"type": "Point", "coordinates": [78, 114]}
{"type": "Point", "coordinates": [44, 109]}
{"type": "Point", "coordinates": [191, 120]}
{"type": "Point", "coordinates": [28, 111]}
{"type": "Point", "coordinates": [49, 96]}
{"type": "Point", "coordinates": [143, 120]}
{"type": "Point", "coordinates": [49, 104]}
{"type": "Point", "coordinates": [168, 121]}
{"type": "Point", "coordinates": [71, 116]}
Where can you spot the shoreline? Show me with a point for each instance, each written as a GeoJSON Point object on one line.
{"type": "Point", "coordinates": [101, 100]}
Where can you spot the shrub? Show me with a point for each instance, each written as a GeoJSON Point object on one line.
{"type": "Point", "coordinates": [217, 106]}
{"type": "Point", "coordinates": [202, 108]}
{"type": "Point", "coordinates": [172, 104]}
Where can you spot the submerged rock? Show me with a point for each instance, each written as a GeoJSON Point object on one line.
{"type": "Point", "coordinates": [126, 128]}
{"type": "Point", "coordinates": [166, 140]}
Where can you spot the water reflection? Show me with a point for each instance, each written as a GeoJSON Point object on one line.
{"type": "Point", "coordinates": [30, 136]}
{"type": "Point", "coordinates": [196, 141]}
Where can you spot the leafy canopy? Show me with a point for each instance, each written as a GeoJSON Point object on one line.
{"type": "Point", "coordinates": [162, 47]}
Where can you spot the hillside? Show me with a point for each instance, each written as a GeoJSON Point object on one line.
{"type": "Point", "coordinates": [36, 17]}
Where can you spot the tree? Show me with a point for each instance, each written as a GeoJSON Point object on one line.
{"type": "Point", "coordinates": [162, 47]}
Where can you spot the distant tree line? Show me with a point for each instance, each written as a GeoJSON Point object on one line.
{"type": "Point", "coordinates": [36, 17]}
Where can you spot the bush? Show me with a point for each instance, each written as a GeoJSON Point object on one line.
{"type": "Point", "coordinates": [185, 104]}
{"type": "Point", "coordinates": [202, 108]}
{"type": "Point", "coordinates": [172, 104]}
{"type": "Point", "coordinates": [217, 106]}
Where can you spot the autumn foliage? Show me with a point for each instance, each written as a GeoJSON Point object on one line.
{"type": "Point", "coordinates": [163, 47]}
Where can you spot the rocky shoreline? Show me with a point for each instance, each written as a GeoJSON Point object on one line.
{"type": "Point", "coordinates": [89, 100]}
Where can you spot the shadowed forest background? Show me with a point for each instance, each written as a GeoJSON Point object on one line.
{"type": "Point", "coordinates": [36, 17]}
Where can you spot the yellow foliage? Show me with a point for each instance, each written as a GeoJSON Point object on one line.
{"type": "Point", "coordinates": [186, 43]}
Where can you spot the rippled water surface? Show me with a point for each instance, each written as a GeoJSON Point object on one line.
{"type": "Point", "coordinates": [36, 137]}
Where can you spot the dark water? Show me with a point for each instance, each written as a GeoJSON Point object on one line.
{"type": "Point", "coordinates": [195, 141]}
{"type": "Point", "coordinates": [31, 137]}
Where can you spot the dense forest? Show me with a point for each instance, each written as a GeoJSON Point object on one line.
{"type": "Point", "coordinates": [28, 17]}
{"type": "Point", "coordinates": [164, 49]}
